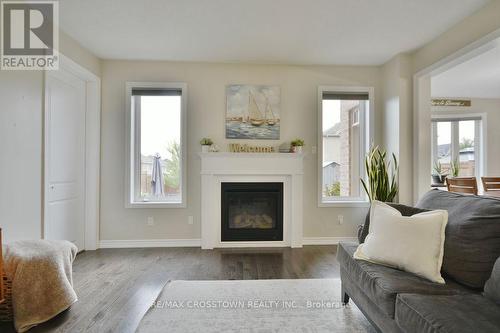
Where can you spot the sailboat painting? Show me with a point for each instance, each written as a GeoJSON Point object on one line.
{"type": "Point", "coordinates": [253, 112]}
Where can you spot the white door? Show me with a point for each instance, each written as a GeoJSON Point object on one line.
{"type": "Point", "coordinates": [65, 158]}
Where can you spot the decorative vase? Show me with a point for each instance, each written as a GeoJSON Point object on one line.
{"type": "Point", "coordinates": [214, 148]}
{"type": "Point", "coordinates": [205, 148]}
{"type": "Point", "coordinates": [297, 149]}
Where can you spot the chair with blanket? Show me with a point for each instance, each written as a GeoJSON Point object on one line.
{"type": "Point", "coordinates": [40, 276]}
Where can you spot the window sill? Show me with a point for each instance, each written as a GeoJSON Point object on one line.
{"type": "Point", "coordinates": [347, 204]}
{"type": "Point", "coordinates": [148, 205]}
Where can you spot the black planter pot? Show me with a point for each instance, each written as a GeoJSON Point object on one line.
{"type": "Point", "coordinates": [438, 179]}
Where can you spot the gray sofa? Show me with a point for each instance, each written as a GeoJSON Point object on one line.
{"type": "Point", "coordinates": [397, 301]}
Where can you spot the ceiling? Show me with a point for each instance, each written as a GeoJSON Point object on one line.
{"type": "Point", "coordinates": [478, 77]}
{"type": "Point", "coordinates": [356, 32]}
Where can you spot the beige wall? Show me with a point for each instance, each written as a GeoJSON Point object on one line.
{"type": "Point", "coordinates": [206, 109]}
{"type": "Point", "coordinates": [21, 114]}
{"type": "Point", "coordinates": [490, 107]}
{"type": "Point", "coordinates": [485, 21]}
{"type": "Point", "coordinates": [71, 49]}
{"type": "Point", "coordinates": [21, 96]}
{"type": "Point", "coordinates": [406, 130]}
{"type": "Point", "coordinates": [390, 80]}
{"type": "Point", "coordinates": [398, 98]}
{"type": "Point", "coordinates": [469, 30]}
{"type": "Point", "coordinates": [21, 154]}
{"type": "Point", "coordinates": [397, 117]}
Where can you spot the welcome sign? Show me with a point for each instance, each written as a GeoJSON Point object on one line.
{"type": "Point", "coordinates": [238, 148]}
{"type": "Point", "coordinates": [450, 102]}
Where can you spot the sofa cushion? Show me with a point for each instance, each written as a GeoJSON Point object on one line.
{"type": "Point", "coordinates": [492, 286]}
{"type": "Point", "coordinates": [382, 284]}
{"type": "Point", "coordinates": [410, 243]}
{"type": "Point", "coordinates": [472, 242]}
{"type": "Point", "coordinates": [403, 209]}
{"type": "Point", "coordinates": [438, 313]}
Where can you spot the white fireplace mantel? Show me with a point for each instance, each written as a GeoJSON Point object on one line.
{"type": "Point", "coordinates": [217, 168]}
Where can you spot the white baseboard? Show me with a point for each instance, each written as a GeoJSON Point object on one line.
{"type": "Point", "coordinates": [327, 240]}
{"type": "Point", "coordinates": [138, 243]}
{"type": "Point", "coordinates": [135, 243]}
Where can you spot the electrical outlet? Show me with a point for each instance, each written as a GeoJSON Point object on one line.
{"type": "Point", "coordinates": [190, 220]}
{"type": "Point", "coordinates": [314, 149]}
{"type": "Point", "coordinates": [340, 218]}
{"type": "Point", "coordinates": [150, 221]}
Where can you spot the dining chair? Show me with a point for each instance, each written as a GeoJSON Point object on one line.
{"type": "Point", "coordinates": [491, 186]}
{"type": "Point", "coordinates": [466, 185]}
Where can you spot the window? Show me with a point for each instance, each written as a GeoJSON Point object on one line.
{"type": "Point", "coordinates": [457, 140]}
{"type": "Point", "coordinates": [157, 144]}
{"type": "Point", "coordinates": [343, 142]}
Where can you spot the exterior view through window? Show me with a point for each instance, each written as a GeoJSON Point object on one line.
{"type": "Point", "coordinates": [157, 117]}
{"type": "Point", "coordinates": [456, 141]}
{"type": "Point", "coordinates": [343, 145]}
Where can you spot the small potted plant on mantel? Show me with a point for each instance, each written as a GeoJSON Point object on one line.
{"type": "Point", "coordinates": [438, 176]}
{"type": "Point", "coordinates": [205, 144]}
{"type": "Point", "coordinates": [297, 145]}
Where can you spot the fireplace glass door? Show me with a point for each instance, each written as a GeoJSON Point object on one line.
{"type": "Point", "coordinates": [252, 212]}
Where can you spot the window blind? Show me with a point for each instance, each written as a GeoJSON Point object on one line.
{"type": "Point", "coordinates": [347, 96]}
{"type": "Point", "coordinates": [446, 120]}
{"type": "Point", "coordinates": [156, 92]}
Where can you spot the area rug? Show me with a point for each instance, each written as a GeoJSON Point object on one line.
{"type": "Point", "coordinates": [308, 305]}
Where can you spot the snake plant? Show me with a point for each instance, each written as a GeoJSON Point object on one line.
{"type": "Point", "coordinates": [455, 167]}
{"type": "Point", "coordinates": [382, 176]}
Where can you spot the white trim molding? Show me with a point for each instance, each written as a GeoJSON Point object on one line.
{"type": "Point", "coordinates": [196, 242]}
{"type": "Point", "coordinates": [327, 240]}
{"type": "Point", "coordinates": [144, 243]}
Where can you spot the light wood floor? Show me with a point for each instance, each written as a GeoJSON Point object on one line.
{"type": "Point", "coordinates": [115, 287]}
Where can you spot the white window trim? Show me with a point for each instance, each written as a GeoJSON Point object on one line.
{"type": "Point", "coordinates": [480, 132]}
{"type": "Point", "coordinates": [366, 121]}
{"type": "Point", "coordinates": [132, 148]}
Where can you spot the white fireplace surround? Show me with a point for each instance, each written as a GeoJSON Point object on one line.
{"type": "Point", "coordinates": [217, 168]}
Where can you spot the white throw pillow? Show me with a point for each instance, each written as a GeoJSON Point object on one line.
{"type": "Point", "coordinates": [414, 244]}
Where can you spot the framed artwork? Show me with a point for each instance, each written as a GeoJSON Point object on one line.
{"type": "Point", "coordinates": [253, 112]}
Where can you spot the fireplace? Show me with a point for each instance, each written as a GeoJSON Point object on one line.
{"type": "Point", "coordinates": [251, 168]}
{"type": "Point", "coordinates": [252, 212]}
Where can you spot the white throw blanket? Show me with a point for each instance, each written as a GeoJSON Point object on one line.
{"type": "Point", "coordinates": [42, 284]}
